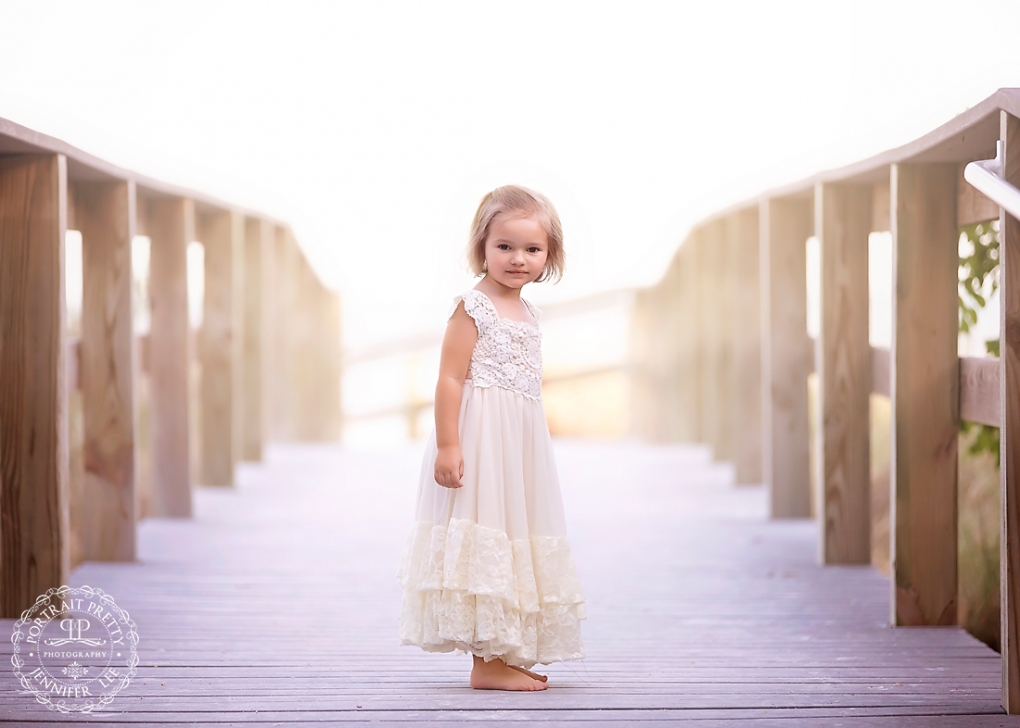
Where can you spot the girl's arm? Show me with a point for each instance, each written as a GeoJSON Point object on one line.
{"type": "Point", "coordinates": [454, 360]}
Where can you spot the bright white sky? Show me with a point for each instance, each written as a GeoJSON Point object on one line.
{"type": "Point", "coordinates": [375, 127]}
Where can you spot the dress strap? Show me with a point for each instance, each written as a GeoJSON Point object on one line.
{"type": "Point", "coordinates": [536, 312]}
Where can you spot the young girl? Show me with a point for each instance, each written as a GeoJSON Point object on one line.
{"type": "Point", "coordinates": [487, 569]}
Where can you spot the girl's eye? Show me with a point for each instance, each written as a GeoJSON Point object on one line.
{"type": "Point", "coordinates": [533, 250]}
{"type": "Point", "coordinates": [504, 246]}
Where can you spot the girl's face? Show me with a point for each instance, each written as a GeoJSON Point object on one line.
{"type": "Point", "coordinates": [516, 250]}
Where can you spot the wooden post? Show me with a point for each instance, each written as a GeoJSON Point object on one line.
{"type": "Point", "coordinates": [171, 228]}
{"type": "Point", "coordinates": [842, 224]}
{"type": "Point", "coordinates": [726, 251]}
{"type": "Point", "coordinates": [925, 393]}
{"type": "Point", "coordinates": [105, 215]}
{"type": "Point", "coordinates": [1009, 383]}
{"type": "Point", "coordinates": [640, 353]}
{"type": "Point", "coordinates": [257, 239]}
{"type": "Point", "coordinates": [332, 425]}
{"type": "Point", "coordinates": [669, 392]}
{"type": "Point", "coordinates": [278, 336]}
{"type": "Point", "coordinates": [716, 352]}
{"type": "Point", "coordinates": [688, 334]}
{"type": "Point", "coordinates": [656, 364]}
{"type": "Point", "coordinates": [745, 317]}
{"type": "Point", "coordinates": [222, 235]}
{"type": "Point", "coordinates": [303, 353]}
{"type": "Point", "coordinates": [288, 274]}
{"type": "Point", "coordinates": [786, 356]}
{"type": "Point", "coordinates": [34, 497]}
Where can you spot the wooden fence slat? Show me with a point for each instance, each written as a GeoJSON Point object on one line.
{"type": "Point", "coordinates": [689, 335]}
{"type": "Point", "coordinates": [274, 323]}
{"type": "Point", "coordinates": [716, 349]}
{"type": "Point", "coordinates": [727, 252]}
{"type": "Point", "coordinates": [1009, 433]}
{"type": "Point", "coordinates": [105, 214]}
{"type": "Point", "coordinates": [880, 202]}
{"type": "Point", "coordinates": [842, 224]}
{"type": "Point", "coordinates": [979, 390]}
{"type": "Point", "coordinates": [171, 227]}
{"type": "Point", "coordinates": [257, 239]}
{"type": "Point", "coordinates": [786, 356]}
{"type": "Point", "coordinates": [924, 384]}
{"type": "Point", "coordinates": [222, 236]}
{"type": "Point", "coordinates": [746, 423]}
{"type": "Point", "coordinates": [288, 261]}
{"type": "Point", "coordinates": [669, 328]}
{"type": "Point", "coordinates": [34, 517]}
{"type": "Point", "coordinates": [330, 363]}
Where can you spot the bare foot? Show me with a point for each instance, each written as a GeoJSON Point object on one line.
{"type": "Point", "coordinates": [529, 673]}
{"type": "Point", "coordinates": [497, 675]}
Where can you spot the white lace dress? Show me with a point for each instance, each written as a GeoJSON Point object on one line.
{"type": "Point", "coordinates": [487, 568]}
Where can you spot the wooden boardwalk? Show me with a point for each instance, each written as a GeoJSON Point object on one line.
{"type": "Point", "coordinates": [277, 605]}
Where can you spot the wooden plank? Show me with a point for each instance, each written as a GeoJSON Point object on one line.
{"type": "Point", "coordinates": [106, 219]}
{"type": "Point", "coordinates": [786, 356]}
{"type": "Point", "coordinates": [880, 212]}
{"type": "Point", "coordinates": [257, 239]}
{"type": "Point", "coordinates": [288, 261]}
{"type": "Point", "coordinates": [274, 322]}
{"type": "Point", "coordinates": [842, 224]}
{"type": "Point", "coordinates": [34, 517]}
{"type": "Point", "coordinates": [1009, 433]}
{"type": "Point", "coordinates": [638, 345]}
{"type": "Point", "coordinates": [717, 360]}
{"type": "Point", "coordinates": [688, 338]}
{"type": "Point", "coordinates": [279, 337]}
{"type": "Point", "coordinates": [979, 390]}
{"type": "Point", "coordinates": [971, 205]}
{"type": "Point", "coordinates": [880, 371]}
{"type": "Point", "coordinates": [725, 438]}
{"type": "Point", "coordinates": [171, 228]}
{"type": "Point", "coordinates": [979, 385]}
{"type": "Point", "coordinates": [671, 295]}
{"type": "Point", "coordinates": [331, 355]}
{"type": "Point", "coordinates": [222, 336]}
{"type": "Point", "coordinates": [763, 636]}
{"type": "Point", "coordinates": [924, 383]}
{"type": "Point", "coordinates": [746, 423]}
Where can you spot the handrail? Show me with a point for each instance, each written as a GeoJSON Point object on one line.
{"type": "Point", "coordinates": [986, 177]}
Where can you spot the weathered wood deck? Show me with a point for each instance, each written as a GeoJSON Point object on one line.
{"type": "Point", "coordinates": [277, 604]}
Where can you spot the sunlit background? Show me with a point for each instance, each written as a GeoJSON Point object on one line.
{"type": "Point", "coordinates": [373, 128]}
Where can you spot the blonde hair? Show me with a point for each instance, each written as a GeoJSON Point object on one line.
{"type": "Point", "coordinates": [512, 198]}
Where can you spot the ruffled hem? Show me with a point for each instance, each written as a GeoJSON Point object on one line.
{"type": "Point", "coordinates": [470, 588]}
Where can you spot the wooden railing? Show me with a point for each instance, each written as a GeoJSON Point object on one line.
{"type": "Point", "coordinates": [268, 351]}
{"type": "Point", "coordinates": [723, 337]}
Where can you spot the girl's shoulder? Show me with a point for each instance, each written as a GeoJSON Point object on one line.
{"type": "Point", "coordinates": [476, 305]}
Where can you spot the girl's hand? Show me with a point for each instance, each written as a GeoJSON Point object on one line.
{"type": "Point", "coordinates": [449, 467]}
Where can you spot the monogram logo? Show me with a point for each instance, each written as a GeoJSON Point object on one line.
{"type": "Point", "coordinates": [74, 628]}
{"type": "Point", "coordinates": [74, 649]}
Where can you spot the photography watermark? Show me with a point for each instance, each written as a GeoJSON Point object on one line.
{"type": "Point", "coordinates": [74, 649]}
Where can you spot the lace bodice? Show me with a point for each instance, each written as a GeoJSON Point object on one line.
{"type": "Point", "coordinates": [508, 353]}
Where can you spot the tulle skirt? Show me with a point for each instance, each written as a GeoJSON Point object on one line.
{"type": "Point", "coordinates": [487, 568]}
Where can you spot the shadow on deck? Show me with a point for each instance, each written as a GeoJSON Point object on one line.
{"type": "Point", "coordinates": [277, 604]}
